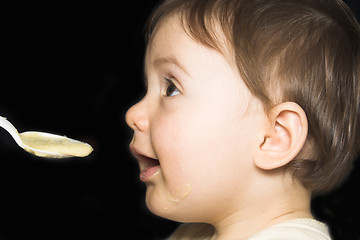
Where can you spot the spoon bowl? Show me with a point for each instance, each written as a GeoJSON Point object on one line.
{"type": "Point", "coordinates": [46, 144]}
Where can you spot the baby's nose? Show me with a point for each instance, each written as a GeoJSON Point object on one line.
{"type": "Point", "coordinates": [137, 118]}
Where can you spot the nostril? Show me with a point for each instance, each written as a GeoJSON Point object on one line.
{"type": "Point", "coordinates": [142, 125]}
{"type": "Point", "coordinates": [136, 118]}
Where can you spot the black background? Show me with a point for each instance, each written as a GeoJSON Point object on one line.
{"type": "Point", "coordinates": [75, 70]}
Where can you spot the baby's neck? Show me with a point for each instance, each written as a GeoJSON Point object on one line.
{"type": "Point", "coordinates": [264, 211]}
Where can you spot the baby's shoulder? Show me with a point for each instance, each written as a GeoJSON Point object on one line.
{"type": "Point", "coordinates": [301, 229]}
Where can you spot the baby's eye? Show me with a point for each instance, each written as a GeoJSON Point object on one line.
{"type": "Point", "coordinates": [171, 89]}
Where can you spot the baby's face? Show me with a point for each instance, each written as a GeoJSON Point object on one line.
{"type": "Point", "coordinates": [202, 125]}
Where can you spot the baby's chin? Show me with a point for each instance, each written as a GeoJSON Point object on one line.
{"type": "Point", "coordinates": [171, 204]}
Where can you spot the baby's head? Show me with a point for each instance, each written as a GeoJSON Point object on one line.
{"type": "Point", "coordinates": [246, 99]}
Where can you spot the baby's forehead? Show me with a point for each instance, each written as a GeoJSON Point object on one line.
{"type": "Point", "coordinates": [172, 35]}
{"type": "Point", "coordinates": [165, 31]}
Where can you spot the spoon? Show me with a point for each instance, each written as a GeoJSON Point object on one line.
{"type": "Point", "coordinates": [46, 144]}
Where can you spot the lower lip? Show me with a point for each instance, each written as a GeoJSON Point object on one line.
{"type": "Point", "coordinates": [147, 173]}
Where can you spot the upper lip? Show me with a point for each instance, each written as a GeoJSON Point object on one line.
{"type": "Point", "coordinates": [143, 159]}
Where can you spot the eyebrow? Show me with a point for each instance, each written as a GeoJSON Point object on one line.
{"type": "Point", "coordinates": [170, 60]}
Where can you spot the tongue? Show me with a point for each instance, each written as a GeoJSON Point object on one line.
{"type": "Point", "coordinates": [148, 172]}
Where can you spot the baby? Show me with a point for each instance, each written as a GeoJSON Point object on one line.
{"type": "Point", "coordinates": [252, 107]}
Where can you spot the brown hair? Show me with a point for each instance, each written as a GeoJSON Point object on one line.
{"type": "Point", "coordinates": [306, 50]}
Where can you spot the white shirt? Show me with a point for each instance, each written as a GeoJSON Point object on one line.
{"type": "Point", "coordinates": [296, 229]}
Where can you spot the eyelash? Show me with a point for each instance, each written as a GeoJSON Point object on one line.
{"type": "Point", "coordinates": [172, 87]}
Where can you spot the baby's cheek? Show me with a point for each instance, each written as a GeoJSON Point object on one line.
{"type": "Point", "coordinates": [191, 158]}
{"type": "Point", "coordinates": [182, 142]}
{"type": "Point", "coordinates": [168, 141]}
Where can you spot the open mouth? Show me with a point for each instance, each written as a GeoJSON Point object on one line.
{"type": "Point", "coordinates": [147, 162]}
{"type": "Point", "coordinates": [148, 166]}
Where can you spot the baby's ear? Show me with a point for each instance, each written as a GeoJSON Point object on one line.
{"type": "Point", "coordinates": [285, 136]}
